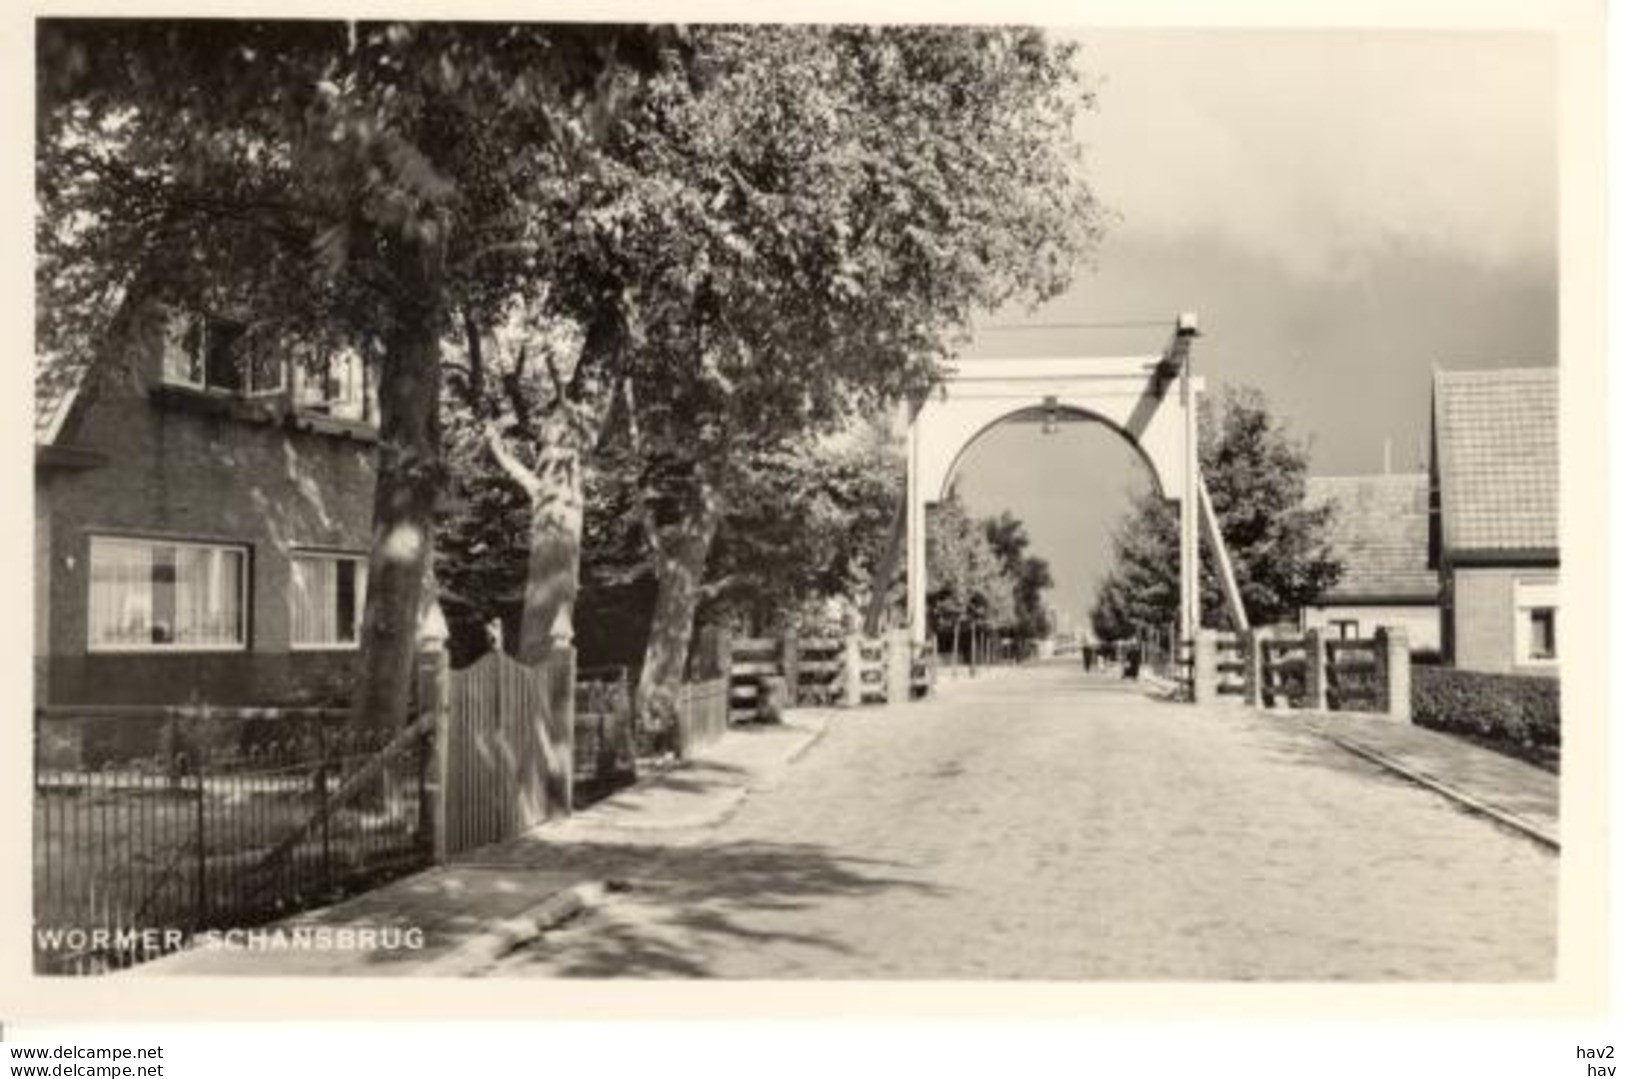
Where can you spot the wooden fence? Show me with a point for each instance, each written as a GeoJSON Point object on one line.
{"type": "Point", "coordinates": [1230, 666]}
{"type": "Point", "coordinates": [607, 743]}
{"type": "Point", "coordinates": [1306, 671]}
{"type": "Point", "coordinates": [752, 659]}
{"type": "Point", "coordinates": [922, 671]}
{"type": "Point", "coordinates": [504, 748]}
{"type": "Point", "coordinates": [1356, 676]}
{"type": "Point", "coordinates": [824, 671]}
{"type": "Point", "coordinates": [1283, 673]}
{"type": "Point", "coordinates": [702, 714]}
{"type": "Point", "coordinates": [868, 659]}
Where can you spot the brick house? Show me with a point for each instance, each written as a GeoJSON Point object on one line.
{"type": "Point", "coordinates": [1494, 538]}
{"type": "Point", "coordinates": [202, 510]}
{"type": "Point", "coordinates": [1379, 531]}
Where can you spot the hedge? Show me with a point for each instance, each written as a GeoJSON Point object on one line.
{"type": "Point", "coordinates": [1520, 710]}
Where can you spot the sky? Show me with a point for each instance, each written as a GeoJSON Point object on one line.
{"type": "Point", "coordinates": [1343, 210]}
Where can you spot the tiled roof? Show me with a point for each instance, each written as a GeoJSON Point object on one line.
{"type": "Point", "coordinates": [56, 385]}
{"type": "Point", "coordinates": [1379, 529]}
{"type": "Point", "coordinates": [1496, 435]}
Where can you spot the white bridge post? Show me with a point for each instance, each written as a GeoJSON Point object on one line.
{"type": "Point", "coordinates": [916, 538]}
{"type": "Point", "coordinates": [1190, 611]}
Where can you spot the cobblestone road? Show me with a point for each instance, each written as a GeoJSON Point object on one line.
{"type": "Point", "coordinates": [1040, 824]}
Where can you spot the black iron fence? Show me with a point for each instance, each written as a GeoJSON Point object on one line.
{"type": "Point", "coordinates": [153, 824]}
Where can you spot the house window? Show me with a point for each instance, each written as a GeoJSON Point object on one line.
{"type": "Point", "coordinates": [149, 595]}
{"type": "Point", "coordinates": [1542, 633]}
{"type": "Point", "coordinates": [207, 353]}
{"type": "Point", "coordinates": [331, 381]}
{"type": "Point", "coordinates": [1535, 622]}
{"type": "Point", "coordinates": [328, 594]}
{"type": "Point", "coordinates": [1346, 629]}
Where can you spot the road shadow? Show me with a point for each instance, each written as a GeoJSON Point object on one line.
{"type": "Point", "coordinates": [693, 902]}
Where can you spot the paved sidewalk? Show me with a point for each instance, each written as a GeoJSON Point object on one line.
{"type": "Point", "coordinates": [1524, 793]}
{"type": "Point", "coordinates": [455, 906]}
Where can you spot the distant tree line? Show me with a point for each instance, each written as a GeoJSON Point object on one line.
{"type": "Point", "coordinates": [983, 585]}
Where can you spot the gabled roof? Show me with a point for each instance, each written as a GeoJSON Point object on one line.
{"type": "Point", "coordinates": [1495, 438]}
{"type": "Point", "coordinates": [61, 375]}
{"type": "Point", "coordinates": [1379, 530]}
{"type": "Point", "coordinates": [57, 382]}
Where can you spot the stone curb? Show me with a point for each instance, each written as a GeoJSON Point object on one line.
{"type": "Point", "coordinates": [1438, 786]}
{"type": "Point", "coordinates": [485, 948]}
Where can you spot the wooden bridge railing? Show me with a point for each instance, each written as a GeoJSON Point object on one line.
{"type": "Point", "coordinates": [793, 671]}
{"type": "Point", "coordinates": [1305, 671]}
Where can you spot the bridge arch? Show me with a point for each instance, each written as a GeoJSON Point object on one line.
{"type": "Point", "coordinates": [1150, 400]}
{"type": "Point", "coordinates": [1040, 413]}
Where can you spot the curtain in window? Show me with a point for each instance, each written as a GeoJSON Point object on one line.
{"type": "Point", "coordinates": [314, 612]}
{"type": "Point", "coordinates": [120, 593]}
{"type": "Point", "coordinates": [330, 379]}
{"type": "Point", "coordinates": [208, 595]}
{"type": "Point", "coordinates": [163, 594]}
{"type": "Point", "coordinates": [328, 594]}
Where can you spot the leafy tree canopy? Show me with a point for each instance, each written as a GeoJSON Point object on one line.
{"type": "Point", "coordinates": [1279, 546]}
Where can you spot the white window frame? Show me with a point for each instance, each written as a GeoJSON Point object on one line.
{"type": "Point", "coordinates": [1528, 596]}
{"type": "Point", "coordinates": [315, 554]}
{"type": "Point", "coordinates": [311, 386]}
{"type": "Point", "coordinates": [174, 336]}
{"type": "Point", "coordinates": [154, 647]}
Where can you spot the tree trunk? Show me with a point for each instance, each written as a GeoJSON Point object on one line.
{"type": "Point", "coordinates": [409, 474]}
{"type": "Point", "coordinates": [552, 576]}
{"type": "Point", "coordinates": [874, 616]}
{"type": "Point", "coordinates": [956, 642]}
{"type": "Point", "coordinates": [682, 550]}
{"type": "Point", "coordinates": [558, 501]}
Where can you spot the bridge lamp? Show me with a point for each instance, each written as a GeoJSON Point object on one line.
{"type": "Point", "coordinates": [1051, 415]}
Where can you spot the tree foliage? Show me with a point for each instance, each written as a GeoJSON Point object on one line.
{"type": "Point", "coordinates": [1030, 576]}
{"type": "Point", "coordinates": [972, 584]}
{"type": "Point", "coordinates": [1278, 544]}
{"type": "Point", "coordinates": [351, 182]}
{"type": "Point", "coordinates": [805, 526]}
{"type": "Point", "coordinates": [807, 229]}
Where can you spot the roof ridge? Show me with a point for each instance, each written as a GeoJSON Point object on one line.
{"type": "Point", "coordinates": [1413, 474]}
{"type": "Point", "coordinates": [1492, 373]}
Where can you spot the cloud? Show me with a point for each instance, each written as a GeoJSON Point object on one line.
{"type": "Point", "coordinates": [1315, 148]}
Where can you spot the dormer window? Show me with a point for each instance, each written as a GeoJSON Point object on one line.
{"type": "Point", "coordinates": [331, 381]}
{"type": "Point", "coordinates": [203, 352]}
